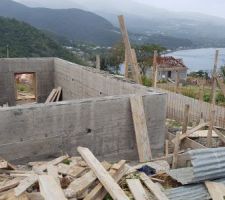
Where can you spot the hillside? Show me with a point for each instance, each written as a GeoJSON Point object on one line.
{"type": "Point", "coordinates": [26, 41]}
{"type": "Point", "coordinates": [74, 24]}
{"type": "Point", "coordinates": [203, 30]}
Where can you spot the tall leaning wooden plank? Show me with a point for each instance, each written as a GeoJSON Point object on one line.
{"type": "Point", "coordinates": [137, 189]}
{"type": "Point", "coordinates": [50, 189]}
{"type": "Point", "coordinates": [128, 50]}
{"type": "Point", "coordinates": [104, 177]}
{"type": "Point", "coordinates": [140, 126]}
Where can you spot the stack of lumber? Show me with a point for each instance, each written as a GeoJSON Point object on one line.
{"type": "Point", "coordinates": [55, 95]}
{"type": "Point", "coordinates": [76, 178]}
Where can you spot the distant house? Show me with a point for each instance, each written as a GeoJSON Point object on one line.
{"type": "Point", "coordinates": [168, 67]}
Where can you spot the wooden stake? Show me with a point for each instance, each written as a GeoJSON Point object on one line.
{"type": "Point", "coordinates": [213, 95]}
{"type": "Point", "coordinates": [167, 148]}
{"type": "Point", "coordinates": [186, 114]}
{"type": "Point", "coordinates": [98, 62]}
{"type": "Point", "coordinates": [176, 150]}
{"type": "Point", "coordinates": [155, 70]}
{"type": "Point", "coordinates": [126, 65]}
{"type": "Point", "coordinates": [177, 81]}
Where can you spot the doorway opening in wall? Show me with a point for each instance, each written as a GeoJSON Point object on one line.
{"type": "Point", "coordinates": [25, 84]}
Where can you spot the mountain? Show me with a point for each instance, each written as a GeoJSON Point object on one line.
{"type": "Point", "coordinates": [24, 40]}
{"type": "Point", "coordinates": [203, 30]}
{"type": "Point", "coordinates": [74, 24]}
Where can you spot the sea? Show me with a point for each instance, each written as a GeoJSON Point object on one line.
{"type": "Point", "coordinates": [200, 59]}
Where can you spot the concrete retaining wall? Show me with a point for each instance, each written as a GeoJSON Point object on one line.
{"type": "Point", "coordinates": [43, 67]}
{"type": "Point", "coordinates": [103, 124]}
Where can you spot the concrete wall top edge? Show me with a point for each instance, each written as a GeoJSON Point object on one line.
{"type": "Point", "coordinates": [71, 102]}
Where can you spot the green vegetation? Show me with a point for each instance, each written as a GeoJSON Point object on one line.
{"type": "Point", "coordinates": [24, 40]}
{"type": "Point", "coordinates": [111, 59]}
{"type": "Point", "coordinates": [23, 87]}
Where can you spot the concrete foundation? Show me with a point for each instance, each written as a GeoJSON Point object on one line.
{"type": "Point", "coordinates": [93, 114]}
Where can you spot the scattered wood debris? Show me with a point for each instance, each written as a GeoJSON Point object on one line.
{"type": "Point", "coordinates": [86, 178]}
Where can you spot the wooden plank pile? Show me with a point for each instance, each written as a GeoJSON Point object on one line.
{"type": "Point", "coordinates": [55, 95]}
{"type": "Point", "coordinates": [76, 178]}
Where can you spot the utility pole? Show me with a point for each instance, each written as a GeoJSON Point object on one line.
{"type": "Point", "coordinates": [7, 51]}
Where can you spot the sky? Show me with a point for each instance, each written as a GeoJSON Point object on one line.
{"type": "Point", "coordinates": [209, 7]}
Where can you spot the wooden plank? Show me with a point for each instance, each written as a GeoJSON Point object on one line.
{"type": "Point", "coordinates": [216, 190]}
{"type": "Point", "coordinates": [117, 171]}
{"type": "Point", "coordinates": [154, 188]}
{"type": "Point", "coordinates": [50, 96]}
{"type": "Point", "coordinates": [53, 171]}
{"type": "Point", "coordinates": [53, 162]}
{"type": "Point", "coordinates": [70, 170]}
{"type": "Point", "coordinates": [9, 185]}
{"type": "Point", "coordinates": [137, 189]}
{"type": "Point", "coordinates": [9, 195]}
{"type": "Point", "coordinates": [50, 189]}
{"type": "Point", "coordinates": [189, 132]}
{"type": "Point", "coordinates": [104, 177]}
{"type": "Point", "coordinates": [187, 142]}
{"type": "Point", "coordinates": [167, 148]}
{"type": "Point", "coordinates": [176, 150]}
{"type": "Point", "coordinates": [140, 126]}
{"type": "Point", "coordinates": [59, 93]}
{"type": "Point", "coordinates": [25, 184]}
{"type": "Point", "coordinates": [81, 184]}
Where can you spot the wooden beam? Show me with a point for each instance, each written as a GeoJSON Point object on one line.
{"type": "Point", "coordinates": [99, 192]}
{"type": "Point", "coordinates": [140, 126]}
{"type": "Point", "coordinates": [59, 93]}
{"type": "Point", "coordinates": [126, 64]}
{"type": "Point", "coordinates": [50, 96]}
{"type": "Point", "coordinates": [187, 142]}
{"type": "Point", "coordinates": [137, 189]}
{"type": "Point", "coordinates": [104, 177]}
{"type": "Point", "coordinates": [154, 188]}
{"type": "Point", "coordinates": [50, 189]}
{"type": "Point", "coordinates": [9, 185]}
{"type": "Point", "coordinates": [135, 68]}
{"type": "Point", "coordinates": [216, 190]}
{"type": "Point", "coordinates": [167, 148]}
{"type": "Point", "coordinates": [189, 132]}
{"type": "Point", "coordinates": [81, 184]}
{"type": "Point", "coordinates": [53, 171]}
{"type": "Point", "coordinates": [25, 184]}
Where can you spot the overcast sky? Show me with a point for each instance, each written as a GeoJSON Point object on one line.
{"type": "Point", "coordinates": [210, 7]}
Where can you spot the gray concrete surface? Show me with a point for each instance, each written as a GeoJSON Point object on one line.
{"type": "Point", "coordinates": [43, 67]}
{"type": "Point", "coordinates": [102, 124]}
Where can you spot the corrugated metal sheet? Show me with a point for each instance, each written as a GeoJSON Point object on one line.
{"type": "Point", "coordinates": [207, 164]}
{"type": "Point", "coordinates": [190, 192]}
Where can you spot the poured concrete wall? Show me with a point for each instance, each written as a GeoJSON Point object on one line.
{"type": "Point", "coordinates": [42, 67]}
{"type": "Point", "coordinates": [103, 124]}
{"type": "Point", "coordinates": [83, 82]}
